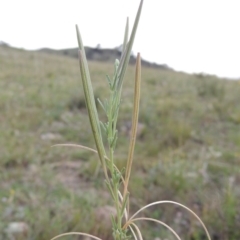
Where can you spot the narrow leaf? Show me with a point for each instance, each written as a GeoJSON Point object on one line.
{"type": "Point", "coordinates": [103, 107]}
{"type": "Point", "coordinates": [74, 145]}
{"type": "Point", "coordinates": [109, 81]}
{"type": "Point", "coordinates": [127, 53]}
{"type": "Point", "coordinates": [171, 202]}
{"type": "Point", "coordinates": [157, 221]}
{"type": "Point", "coordinates": [124, 204]}
{"type": "Point", "coordinates": [103, 126]}
{"type": "Point", "coordinates": [90, 102]}
{"type": "Point", "coordinates": [125, 40]}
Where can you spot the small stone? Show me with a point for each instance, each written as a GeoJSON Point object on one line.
{"type": "Point", "coordinates": [50, 136]}
{"type": "Point", "coordinates": [104, 214]}
{"type": "Point", "coordinates": [17, 230]}
{"type": "Point", "coordinates": [126, 128]}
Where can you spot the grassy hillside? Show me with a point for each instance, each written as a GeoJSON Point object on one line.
{"type": "Point", "coordinates": [188, 149]}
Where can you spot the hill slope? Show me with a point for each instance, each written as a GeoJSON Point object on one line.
{"type": "Point", "coordinates": [187, 149]}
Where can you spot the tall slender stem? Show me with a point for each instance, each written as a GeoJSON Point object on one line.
{"type": "Point", "coordinates": [134, 123]}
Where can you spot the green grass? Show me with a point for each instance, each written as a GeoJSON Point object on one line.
{"type": "Point", "coordinates": [188, 150]}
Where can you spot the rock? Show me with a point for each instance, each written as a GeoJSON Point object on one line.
{"type": "Point", "coordinates": [87, 238]}
{"type": "Point", "coordinates": [103, 215]}
{"type": "Point", "coordinates": [17, 230]}
{"type": "Point", "coordinates": [50, 136]}
{"type": "Point", "coordinates": [126, 128]}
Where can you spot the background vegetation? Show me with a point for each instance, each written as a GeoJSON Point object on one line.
{"type": "Point", "coordinates": [188, 149]}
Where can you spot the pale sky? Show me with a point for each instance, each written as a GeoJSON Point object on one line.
{"type": "Point", "coordinates": [188, 35]}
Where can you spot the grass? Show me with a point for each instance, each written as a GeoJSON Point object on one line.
{"type": "Point", "coordinates": [188, 150]}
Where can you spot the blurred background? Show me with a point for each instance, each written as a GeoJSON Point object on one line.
{"type": "Point", "coordinates": [188, 146]}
